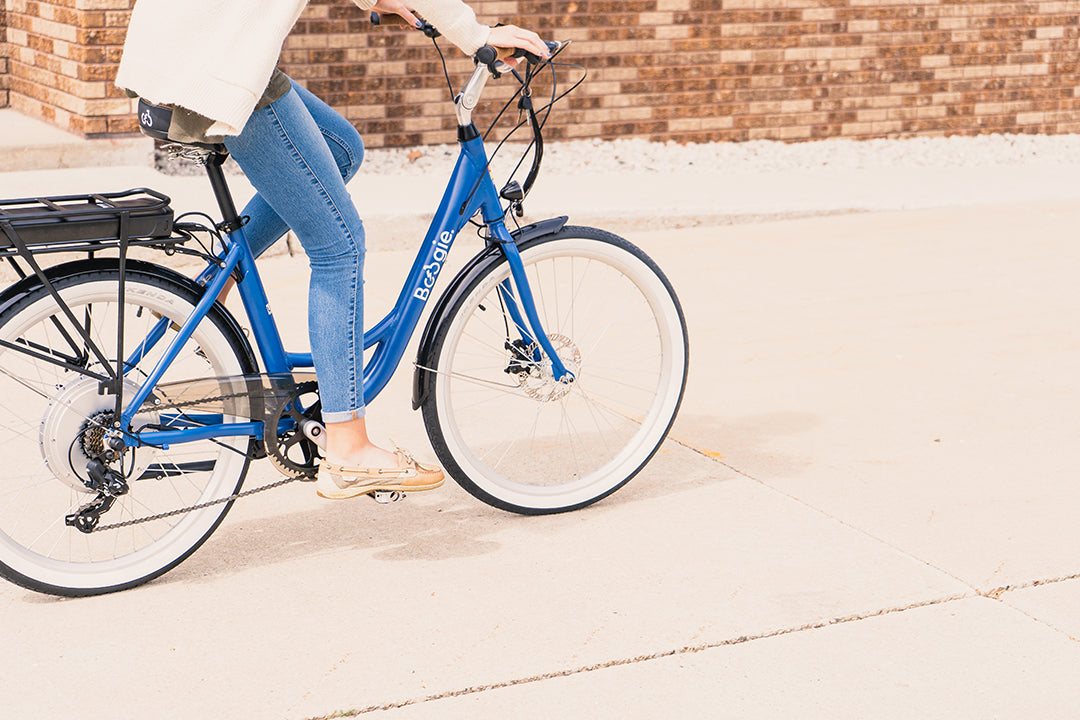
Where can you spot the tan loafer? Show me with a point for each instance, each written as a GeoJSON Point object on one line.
{"type": "Point", "coordinates": [337, 483]}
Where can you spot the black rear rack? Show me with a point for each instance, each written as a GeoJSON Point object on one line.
{"type": "Point", "coordinates": [85, 223]}
{"type": "Point", "coordinates": [30, 227]}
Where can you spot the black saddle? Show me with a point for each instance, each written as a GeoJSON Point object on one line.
{"type": "Point", "coordinates": [157, 122]}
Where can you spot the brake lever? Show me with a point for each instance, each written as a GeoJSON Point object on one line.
{"type": "Point", "coordinates": [489, 56]}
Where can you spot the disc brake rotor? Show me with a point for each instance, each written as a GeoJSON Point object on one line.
{"type": "Point", "coordinates": [537, 379]}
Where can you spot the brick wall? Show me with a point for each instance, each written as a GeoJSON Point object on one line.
{"type": "Point", "coordinates": [62, 55]}
{"type": "Point", "coordinates": [684, 70]}
{"type": "Point", "coordinates": [701, 70]}
{"type": "Point", "coordinates": [3, 55]}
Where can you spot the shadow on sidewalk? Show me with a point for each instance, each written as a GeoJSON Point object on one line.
{"type": "Point", "coordinates": [453, 525]}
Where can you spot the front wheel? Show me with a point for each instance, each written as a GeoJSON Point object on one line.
{"type": "Point", "coordinates": [512, 434]}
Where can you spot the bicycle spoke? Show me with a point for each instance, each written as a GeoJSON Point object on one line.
{"type": "Point", "coordinates": [72, 415]}
{"type": "Point", "coordinates": [546, 445]}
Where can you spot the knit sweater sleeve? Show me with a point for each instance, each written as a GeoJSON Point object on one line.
{"type": "Point", "coordinates": [453, 18]}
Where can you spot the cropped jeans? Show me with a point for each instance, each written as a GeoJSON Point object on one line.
{"type": "Point", "coordinates": [298, 153]}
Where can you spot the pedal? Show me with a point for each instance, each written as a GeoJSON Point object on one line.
{"type": "Point", "coordinates": [385, 497]}
{"type": "Point", "coordinates": [314, 431]}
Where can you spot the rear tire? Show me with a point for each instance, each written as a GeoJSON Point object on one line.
{"type": "Point", "coordinates": [49, 428]}
{"type": "Point", "coordinates": [505, 429]}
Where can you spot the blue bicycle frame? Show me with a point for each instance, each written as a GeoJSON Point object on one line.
{"type": "Point", "coordinates": [469, 191]}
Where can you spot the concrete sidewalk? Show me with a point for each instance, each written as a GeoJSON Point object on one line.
{"type": "Point", "coordinates": [866, 508]}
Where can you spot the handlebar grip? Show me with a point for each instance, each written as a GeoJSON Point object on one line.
{"type": "Point", "coordinates": [487, 55]}
{"type": "Point", "coordinates": [553, 47]}
{"type": "Point", "coordinates": [425, 27]}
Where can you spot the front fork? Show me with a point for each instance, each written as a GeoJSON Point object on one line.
{"type": "Point", "coordinates": [528, 326]}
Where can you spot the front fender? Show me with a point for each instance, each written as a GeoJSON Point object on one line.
{"type": "Point", "coordinates": [476, 267]}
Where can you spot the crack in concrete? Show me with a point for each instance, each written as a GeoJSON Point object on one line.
{"type": "Point", "coordinates": [685, 650]}
{"type": "Point", "coordinates": [996, 594]}
{"type": "Point", "coordinates": [999, 594]}
{"type": "Point", "coordinates": [715, 458]}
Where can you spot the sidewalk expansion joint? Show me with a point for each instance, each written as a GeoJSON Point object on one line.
{"type": "Point", "coordinates": [719, 460]}
{"type": "Point", "coordinates": [996, 593]}
{"type": "Point", "coordinates": [685, 650]}
{"type": "Point", "coordinates": [999, 593]}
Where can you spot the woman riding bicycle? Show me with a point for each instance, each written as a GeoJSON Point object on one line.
{"type": "Point", "coordinates": [298, 153]}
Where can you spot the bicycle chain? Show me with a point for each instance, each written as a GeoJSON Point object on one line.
{"type": "Point", "coordinates": [210, 503]}
{"type": "Point", "coordinates": [178, 404]}
{"type": "Point", "coordinates": [200, 506]}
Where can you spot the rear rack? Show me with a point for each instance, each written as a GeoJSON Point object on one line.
{"type": "Point", "coordinates": [30, 227]}
{"type": "Point", "coordinates": [85, 223]}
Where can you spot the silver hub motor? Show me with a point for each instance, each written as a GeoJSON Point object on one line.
{"type": "Point", "coordinates": [73, 431]}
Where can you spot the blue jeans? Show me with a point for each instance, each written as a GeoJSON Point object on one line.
{"type": "Point", "coordinates": [298, 153]}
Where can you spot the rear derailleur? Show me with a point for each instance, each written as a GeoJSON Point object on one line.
{"type": "Point", "coordinates": [109, 484]}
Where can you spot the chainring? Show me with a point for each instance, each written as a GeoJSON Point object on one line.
{"type": "Point", "coordinates": [290, 450]}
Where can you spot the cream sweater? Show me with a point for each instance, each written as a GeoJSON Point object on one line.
{"type": "Point", "coordinates": [215, 57]}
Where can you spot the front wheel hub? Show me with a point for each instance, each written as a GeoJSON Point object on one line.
{"type": "Point", "coordinates": [537, 379]}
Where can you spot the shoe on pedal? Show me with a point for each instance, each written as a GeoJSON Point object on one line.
{"type": "Point", "coordinates": [336, 482]}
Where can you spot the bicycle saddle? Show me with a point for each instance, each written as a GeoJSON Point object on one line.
{"type": "Point", "coordinates": [157, 121]}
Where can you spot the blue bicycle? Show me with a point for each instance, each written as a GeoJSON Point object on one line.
{"type": "Point", "coordinates": [131, 403]}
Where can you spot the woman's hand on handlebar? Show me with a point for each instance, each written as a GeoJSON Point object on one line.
{"type": "Point", "coordinates": [511, 37]}
{"type": "Point", "coordinates": [503, 37]}
{"type": "Point", "coordinates": [397, 7]}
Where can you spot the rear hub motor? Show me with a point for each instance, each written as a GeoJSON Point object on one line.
{"type": "Point", "coordinates": [73, 431]}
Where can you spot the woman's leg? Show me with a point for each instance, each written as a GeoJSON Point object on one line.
{"type": "Point", "coordinates": [285, 155]}
{"type": "Point", "coordinates": [265, 227]}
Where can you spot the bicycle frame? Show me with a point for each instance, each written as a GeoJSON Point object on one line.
{"type": "Point", "coordinates": [470, 190]}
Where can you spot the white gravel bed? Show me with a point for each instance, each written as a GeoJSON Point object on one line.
{"type": "Point", "coordinates": [759, 156]}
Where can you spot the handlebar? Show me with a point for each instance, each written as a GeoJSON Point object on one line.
{"type": "Point", "coordinates": [432, 32]}
{"type": "Point", "coordinates": [553, 48]}
{"type": "Point", "coordinates": [489, 56]}
{"type": "Point", "coordinates": [488, 65]}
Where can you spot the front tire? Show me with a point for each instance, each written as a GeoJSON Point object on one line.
{"type": "Point", "coordinates": [512, 435]}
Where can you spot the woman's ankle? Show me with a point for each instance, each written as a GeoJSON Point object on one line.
{"type": "Point", "coordinates": [369, 456]}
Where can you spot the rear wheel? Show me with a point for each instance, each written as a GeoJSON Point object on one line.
{"type": "Point", "coordinates": [53, 421]}
{"type": "Point", "coordinates": [512, 434]}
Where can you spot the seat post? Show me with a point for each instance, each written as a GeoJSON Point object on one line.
{"type": "Point", "coordinates": [231, 220]}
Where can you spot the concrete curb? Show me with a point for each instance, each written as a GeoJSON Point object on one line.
{"type": "Point", "coordinates": [30, 144]}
